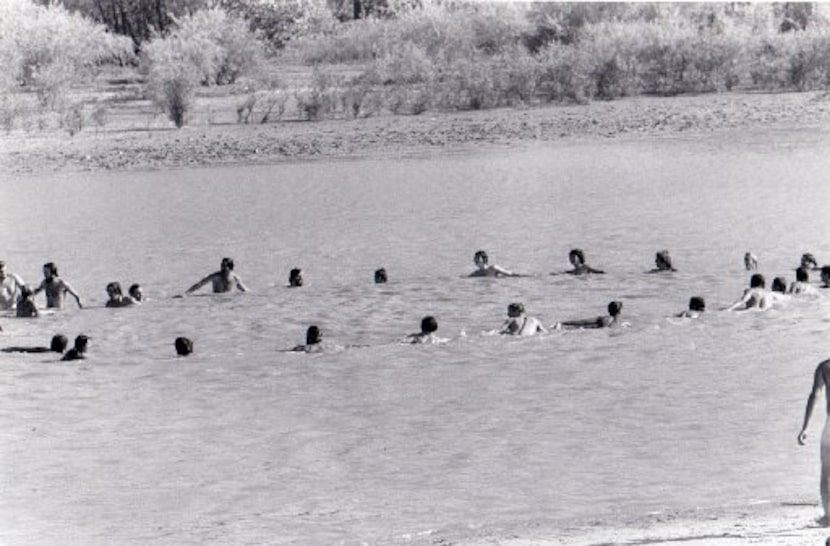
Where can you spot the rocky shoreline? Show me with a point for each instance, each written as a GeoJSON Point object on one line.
{"type": "Point", "coordinates": [203, 144]}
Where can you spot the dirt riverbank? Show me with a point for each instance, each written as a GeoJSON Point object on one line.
{"type": "Point", "coordinates": [139, 141]}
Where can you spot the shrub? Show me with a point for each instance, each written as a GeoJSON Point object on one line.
{"type": "Point", "coordinates": [321, 99]}
{"type": "Point", "coordinates": [172, 75]}
{"type": "Point", "coordinates": [564, 74]}
{"type": "Point", "coordinates": [281, 21]}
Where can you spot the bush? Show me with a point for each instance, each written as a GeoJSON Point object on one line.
{"type": "Point", "coordinates": [564, 74]}
{"type": "Point", "coordinates": [799, 60]}
{"type": "Point", "coordinates": [172, 75]}
{"type": "Point", "coordinates": [321, 99]}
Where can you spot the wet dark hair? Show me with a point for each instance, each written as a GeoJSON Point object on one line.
{"type": "Point", "coordinates": [380, 276]}
{"type": "Point", "coordinates": [227, 262]}
{"type": "Point", "coordinates": [59, 343]}
{"type": "Point", "coordinates": [663, 260]}
{"type": "Point", "coordinates": [295, 278]}
{"type": "Point", "coordinates": [429, 324]}
{"type": "Point", "coordinates": [779, 284]}
{"type": "Point", "coordinates": [51, 267]}
{"type": "Point", "coordinates": [615, 308]}
{"type": "Point", "coordinates": [80, 343]}
{"type": "Point", "coordinates": [519, 307]}
{"type": "Point", "coordinates": [135, 291]}
{"type": "Point", "coordinates": [825, 272]}
{"type": "Point", "coordinates": [576, 252]}
{"type": "Point", "coordinates": [801, 275]}
{"type": "Point", "coordinates": [313, 335]}
{"type": "Point", "coordinates": [808, 259]}
{"type": "Point", "coordinates": [115, 286]}
{"type": "Point", "coordinates": [757, 281]}
{"type": "Point", "coordinates": [183, 346]}
{"type": "Point", "coordinates": [696, 303]}
{"type": "Point", "coordinates": [482, 255]}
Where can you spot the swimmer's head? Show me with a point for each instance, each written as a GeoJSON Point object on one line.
{"type": "Point", "coordinates": [801, 274]}
{"type": "Point", "coordinates": [227, 264]}
{"type": "Point", "coordinates": [825, 275]}
{"type": "Point", "coordinates": [576, 257]}
{"type": "Point", "coordinates": [380, 276]}
{"type": "Point", "coordinates": [662, 260]}
{"type": "Point", "coordinates": [313, 335]}
{"type": "Point", "coordinates": [615, 308]}
{"type": "Point", "coordinates": [114, 289]}
{"type": "Point", "coordinates": [808, 260]}
{"type": "Point", "coordinates": [136, 292]}
{"type": "Point", "coordinates": [750, 261]}
{"type": "Point", "coordinates": [515, 309]}
{"type": "Point", "coordinates": [183, 346]}
{"type": "Point", "coordinates": [50, 270]}
{"type": "Point", "coordinates": [696, 303]}
{"type": "Point", "coordinates": [779, 284]}
{"type": "Point", "coordinates": [81, 343]}
{"type": "Point", "coordinates": [757, 281]}
{"type": "Point", "coordinates": [295, 278]}
{"type": "Point", "coordinates": [59, 343]}
{"type": "Point", "coordinates": [428, 325]}
{"type": "Point", "coordinates": [480, 258]}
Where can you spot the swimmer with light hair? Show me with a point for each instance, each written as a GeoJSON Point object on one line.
{"type": "Point", "coordinates": [519, 324]}
{"type": "Point", "coordinates": [427, 335]}
{"type": "Point", "coordinates": [663, 262]}
{"type": "Point", "coordinates": [221, 281]}
{"type": "Point", "coordinates": [613, 319]}
{"type": "Point", "coordinates": [750, 261]}
{"type": "Point", "coordinates": [577, 258]}
{"type": "Point", "coordinates": [697, 305]}
{"type": "Point", "coordinates": [380, 276]}
{"type": "Point", "coordinates": [755, 297]}
{"type": "Point", "coordinates": [825, 276]}
{"type": "Point", "coordinates": [55, 288]}
{"type": "Point", "coordinates": [57, 345]}
{"type": "Point", "coordinates": [486, 270]}
{"type": "Point", "coordinates": [295, 278]}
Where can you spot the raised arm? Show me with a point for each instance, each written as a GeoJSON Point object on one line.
{"type": "Point", "coordinates": [818, 386]}
{"type": "Point", "coordinates": [239, 284]}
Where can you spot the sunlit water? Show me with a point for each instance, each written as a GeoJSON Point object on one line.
{"type": "Point", "coordinates": [387, 443]}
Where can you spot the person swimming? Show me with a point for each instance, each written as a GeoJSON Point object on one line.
{"type": "Point", "coordinates": [57, 345]}
{"type": "Point", "coordinates": [662, 261]}
{"type": "Point", "coordinates": [519, 324]}
{"type": "Point", "coordinates": [295, 278]}
{"type": "Point", "coordinates": [55, 287]}
{"type": "Point", "coordinates": [221, 281]}
{"type": "Point", "coordinates": [754, 297]}
{"type": "Point", "coordinates": [779, 285]}
{"type": "Point", "coordinates": [613, 319]}
{"type": "Point", "coordinates": [116, 297]}
{"type": "Point", "coordinates": [427, 335]}
{"type": "Point", "coordinates": [486, 270]}
{"type": "Point", "coordinates": [750, 261]}
{"type": "Point", "coordinates": [577, 258]}
{"type": "Point", "coordinates": [136, 293]}
{"type": "Point", "coordinates": [314, 342]}
{"type": "Point", "coordinates": [808, 261]}
{"type": "Point", "coordinates": [802, 285]}
{"type": "Point", "coordinates": [183, 346]}
{"type": "Point", "coordinates": [697, 305]}
{"type": "Point", "coordinates": [78, 352]}
{"type": "Point", "coordinates": [380, 276]}
{"type": "Point", "coordinates": [26, 307]}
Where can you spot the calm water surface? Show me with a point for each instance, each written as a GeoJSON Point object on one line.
{"type": "Point", "coordinates": [389, 443]}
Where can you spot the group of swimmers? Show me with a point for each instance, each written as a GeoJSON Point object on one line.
{"type": "Point", "coordinates": [15, 294]}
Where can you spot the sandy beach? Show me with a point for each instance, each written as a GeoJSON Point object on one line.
{"type": "Point", "coordinates": [134, 143]}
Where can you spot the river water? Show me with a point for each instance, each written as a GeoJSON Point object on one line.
{"type": "Point", "coordinates": [388, 443]}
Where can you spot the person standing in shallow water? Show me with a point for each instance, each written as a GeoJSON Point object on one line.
{"type": "Point", "coordinates": [380, 276]}
{"type": "Point", "coordinates": [10, 286]}
{"type": "Point", "coordinates": [662, 261]}
{"type": "Point", "coordinates": [295, 278]}
{"type": "Point", "coordinates": [820, 381]}
{"type": "Point", "coordinates": [482, 262]}
{"type": "Point", "coordinates": [221, 281]}
{"type": "Point", "coordinates": [55, 287]}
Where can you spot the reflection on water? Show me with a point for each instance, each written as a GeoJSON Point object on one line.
{"type": "Point", "coordinates": [244, 443]}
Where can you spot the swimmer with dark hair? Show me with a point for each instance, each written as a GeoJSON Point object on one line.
{"type": "Point", "coordinates": [58, 345]}
{"type": "Point", "coordinates": [136, 293]}
{"type": "Point", "coordinates": [825, 276]}
{"type": "Point", "coordinates": [55, 287]}
{"type": "Point", "coordinates": [577, 258]}
{"type": "Point", "coordinates": [116, 297]}
{"type": "Point", "coordinates": [755, 297]}
{"type": "Point", "coordinates": [779, 285]}
{"type": "Point", "coordinates": [519, 324]}
{"type": "Point", "coordinates": [26, 307]}
{"type": "Point", "coordinates": [380, 276]}
{"type": "Point", "coordinates": [221, 281]}
{"type": "Point", "coordinates": [78, 352]}
{"type": "Point", "coordinates": [429, 325]}
{"type": "Point", "coordinates": [808, 261]}
{"type": "Point", "coordinates": [314, 342]}
{"type": "Point", "coordinates": [183, 346]}
{"type": "Point", "coordinates": [613, 319]}
{"type": "Point", "coordinates": [662, 260]}
{"type": "Point", "coordinates": [750, 261]}
{"type": "Point", "coordinates": [295, 278]}
{"type": "Point", "coordinates": [486, 270]}
{"type": "Point", "coordinates": [697, 305]}
{"type": "Point", "coordinates": [802, 285]}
